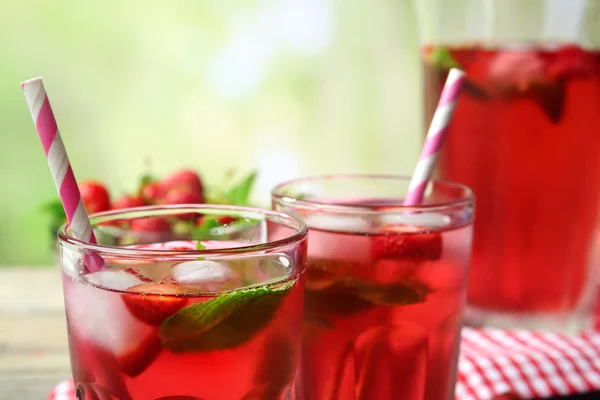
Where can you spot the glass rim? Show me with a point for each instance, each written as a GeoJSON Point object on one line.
{"type": "Point", "coordinates": [299, 234]}
{"type": "Point", "coordinates": [278, 195]}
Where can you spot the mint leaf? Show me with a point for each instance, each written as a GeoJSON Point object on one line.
{"type": "Point", "coordinates": [348, 296]}
{"type": "Point", "coordinates": [239, 195]}
{"type": "Point", "coordinates": [323, 272]}
{"type": "Point", "coordinates": [200, 246]}
{"type": "Point", "coordinates": [388, 294]}
{"type": "Point", "coordinates": [442, 58]}
{"type": "Point", "coordinates": [146, 179]}
{"type": "Point", "coordinates": [331, 301]}
{"type": "Point", "coordinates": [207, 230]}
{"type": "Point", "coordinates": [222, 322]}
{"type": "Point", "coordinates": [204, 231]}
{"type": "Point", "coordinates": [54, 210]}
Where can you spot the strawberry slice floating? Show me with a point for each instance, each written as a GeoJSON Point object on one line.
{"type": "Point", "coordinates": [571, 61]}
{"type": "Point", "coordinates": [134, 360]}
{"type": "Point", "coordinates": [152, 303]}
{"type": "Point", "coordinates": [396, 244]}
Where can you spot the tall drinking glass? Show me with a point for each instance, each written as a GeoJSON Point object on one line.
{"type": "Point", "coordinates": [525, 137]}
{"type": "Point", "coordinates": [201, 302]}
{"type": "Point", "coordinates": [385, 286]}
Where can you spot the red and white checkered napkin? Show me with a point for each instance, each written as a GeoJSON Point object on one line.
{"type": "Point", "coordinates": [493, 362]}
{"type": "Point", "coordinates": [531, 364]}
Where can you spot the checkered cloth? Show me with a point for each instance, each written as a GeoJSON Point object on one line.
{"type": "Point", "coordinates": [493, 362]}
{"type": "Point", "coordinates": [531, 364]}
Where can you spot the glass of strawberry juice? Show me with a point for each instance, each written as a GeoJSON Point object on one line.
{"type": "Point", "coordinates": [203, 303]}
{"type": "Point", "coordinates": [525, 136]}
{"type": "Point", "coordinates": [385, 286]}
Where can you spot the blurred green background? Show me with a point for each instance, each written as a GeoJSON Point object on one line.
{"type": "Point", "coordinates": [289, 87]}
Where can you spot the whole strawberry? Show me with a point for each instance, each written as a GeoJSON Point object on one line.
{"type": "Point", "coordinates": [150, 224]}
{"type": "Point", "coordinates": [153, 192]}
{"type": "Point", "coordinates": [185, 178]}
{"type": "Point", "coordinates": [95, 196]}
{"type": "Point", "coordinates": [152, 303]}
{"type": "Point", "coordinates": [182, 195]}
{"type": "Point", "coordinates": [128, 201]}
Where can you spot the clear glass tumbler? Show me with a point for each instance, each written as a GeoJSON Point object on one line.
{"type": "Point", "coordinates": [195, 302]}
{"type": "Point", "coordinates": [385, 286]}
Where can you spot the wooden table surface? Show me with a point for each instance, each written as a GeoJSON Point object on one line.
{"type": "Point", "coordinates": [34, 355]}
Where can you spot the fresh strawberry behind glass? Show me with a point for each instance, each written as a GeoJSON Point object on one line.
{"type": "Point", "coordinates": [385, 286]}
{"type": "Point", "coordinates": [215, 314]}
{"type": "Point", "coordinates": [526, 138]}
{"type": "Point", "coordinates": [184, 186]}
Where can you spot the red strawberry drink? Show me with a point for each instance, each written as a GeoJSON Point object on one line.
{"type": "Point", "coordinates": [525, 137]}
{"type": "Point", "coordinates": [203, 314]}
{"type": "Point", "coordinates": [535, 171]}
{"type": "Point", "coordinates": [385, 286]}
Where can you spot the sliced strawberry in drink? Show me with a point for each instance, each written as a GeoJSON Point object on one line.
{"type": "Point", "coordinates": [107, 331]}
{"type": "Point", "coordinates": [95, 372]}
{"type": "Point", "coordinates": [134, 360]}
{"type": "Point", "coordinates": [570, 61]}
{"type": "Point", "coordinates": [226, 220]}
{"type": "Point", "coordinates": [155, 301]}
{"type": "Point", "coordinates": [514, 71]}
{"type": "Point", "coordinates": [396, 244]}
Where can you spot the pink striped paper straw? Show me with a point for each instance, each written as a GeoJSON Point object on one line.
{"type": "Point", "coordinates": [435, 137]}
{"type": "Point", "coordinates": [60, 167]}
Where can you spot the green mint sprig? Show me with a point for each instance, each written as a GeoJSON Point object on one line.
{"type": "Point", "coordinates": [348, 296]}
{"type": "Point", "coordinates": [223, 322]}
{"type": "Point", "coordinates": [236, 195]}
{"type": "Point", "coordinates": [54, 210]}
{"type": "Point", "coordinates": [441, 57]}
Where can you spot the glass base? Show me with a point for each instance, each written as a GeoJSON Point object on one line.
{"type": "Point", "coordinates": [567, 323]}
